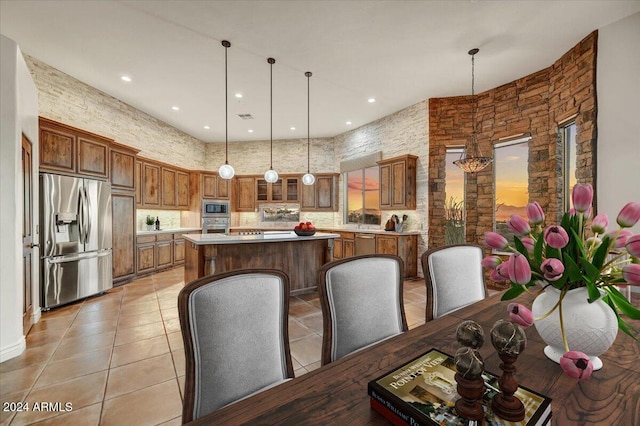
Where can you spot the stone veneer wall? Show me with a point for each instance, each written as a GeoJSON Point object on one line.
{"type": "Point", "coordinates": [534, 104]}
{"type": "Point", "coordinates": [67, 100]}
{"type": "Point", "coordinates": [403, 132]}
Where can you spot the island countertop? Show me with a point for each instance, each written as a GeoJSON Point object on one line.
{"type": "Point", "coordinates": [266, 237]}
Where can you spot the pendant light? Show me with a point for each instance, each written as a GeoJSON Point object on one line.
{"type": "Point", "coordinates": [308, 178]}
{"type": "Point", "coordinates": [226, 171]}
{"type": "Point", "coordinates": [271, 175]}
{"type": "Point", "coordinates": [471, 160]}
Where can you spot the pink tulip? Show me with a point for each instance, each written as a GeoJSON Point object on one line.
{"type": "Point", "coordinates": [491, 262]}
{"type": "Point", "coordinates": [519, 269]}
{"type": "Point", "coordinates": [518, 225]}
{"type": "Point", "coordinates": [588, 213]}
{"type": "Point", "coordinates": [629, 215]}
{"type": "Point", "coordinates": [520, 314]}
{"type": "Point", "coordinates": [535, 213]}
{"type": "Point", "coordinates": [495, 241]}
{"type": "Point", "coordinates": [631, 273]}
{"type": "Point", "coordinates": [528, 243]}
{"type": "Point", "coordinates": [501, 273]}
{"type": "Point", "coordinates": [572, 212]}
{"type": "Point", "coordinates": [582, 196]}
{"type": "Point", "coordinates": [552, 269]}
{"type": "Point", "coordinates": [576, 365]}
{"type": "Point", "coordinates": [620, 236]}
{"type": "Point", "coordinates": [633, 245]}
{"type": "Point", "coordinates": [556, 236]}
{"type": "Point", "coordinates": [599, 223]}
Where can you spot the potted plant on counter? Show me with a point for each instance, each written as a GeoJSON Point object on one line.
{"type": "Point", "coordinates": [151, 222]}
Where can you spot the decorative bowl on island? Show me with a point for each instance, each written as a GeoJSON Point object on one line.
{"type": "Point", "coordinates": [304, 229]}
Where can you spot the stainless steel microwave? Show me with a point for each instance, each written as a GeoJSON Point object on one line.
{"type": "Point", "coordinates": [215, 208]}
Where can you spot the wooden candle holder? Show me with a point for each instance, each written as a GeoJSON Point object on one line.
{"type": "Point", "coordinates": [470, 390]}
{"type": "Point", "coordinates": [505, 405]}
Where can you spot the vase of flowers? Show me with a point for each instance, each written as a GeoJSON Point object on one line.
{"type": "Point", "coordinates": [573, 266]}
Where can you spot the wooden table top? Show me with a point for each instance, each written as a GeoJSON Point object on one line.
{"type": "Point", "coordinates": [336, 394]}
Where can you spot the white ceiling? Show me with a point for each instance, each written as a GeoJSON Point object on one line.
{"type": "Point", "coordinates": [399, 52]}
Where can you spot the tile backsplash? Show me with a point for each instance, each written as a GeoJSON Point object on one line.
{"type": "Point", "coordinates": [169, 219]}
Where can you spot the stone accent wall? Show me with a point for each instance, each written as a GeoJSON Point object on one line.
{"type": "Point", "coordinates": [68, 100]}
{"type": "Point", "coordinates": [534, 104]}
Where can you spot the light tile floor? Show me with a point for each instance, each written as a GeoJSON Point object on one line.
{"type": "Point", "coordinates": [118, 359]}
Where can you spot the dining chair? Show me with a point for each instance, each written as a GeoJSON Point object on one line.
{"type": "Point", "coordinates": [454, 278]}
{"type": "Point", "coordinates": [362, 303]}
{"type": "Point", "coordinates": [236, 340]}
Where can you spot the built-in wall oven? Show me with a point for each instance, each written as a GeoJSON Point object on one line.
{"type": "Point", "coordinates": [216, 215]}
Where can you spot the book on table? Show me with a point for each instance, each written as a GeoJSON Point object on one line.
{"type": "Point", "coordinates": [423, 392]}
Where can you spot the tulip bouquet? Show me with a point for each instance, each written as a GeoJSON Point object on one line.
{"type": "Point", "coordinates": [568, 256]}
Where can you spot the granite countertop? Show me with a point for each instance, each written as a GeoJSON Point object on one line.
{"type": "Point", "coordinates": [267, 237]}
{"type": "Point", "coordinates": [339, 228]}
{"type": "Point", "coordinates": [167, 231]}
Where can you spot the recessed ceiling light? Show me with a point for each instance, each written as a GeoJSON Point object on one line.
{"type": "Point", "coordinates": [292, 128]}
{"type": "Point", "coordinates": [207, 127]}
{"type": "Point", "coordinates": [250, 130]}
{"type": "Point", "coordinates": [348, 122]}
{"type": "Point", "coordinates": [175, 108]}
{"type": "Point", "coordinates": [238, 95]}
{"type": "Point", "coordinates": [126, 78]}
{"type": "Point", "coordinates": [371, 100]}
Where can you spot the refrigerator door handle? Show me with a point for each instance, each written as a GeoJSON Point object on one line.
{"type": "Point", "coordinates": [81, 238]}
{"type": "Point", "coordinates": [87, 212]}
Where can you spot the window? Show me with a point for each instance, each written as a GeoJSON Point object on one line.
{"type": "Point", "coordinates": [363, 196]}
{"type": "Point", "coordinates": [511, 183]}
{"type": "Point", "coordinates": [567, 134]}
{"type": "Point", "coordinates": [454, 189]}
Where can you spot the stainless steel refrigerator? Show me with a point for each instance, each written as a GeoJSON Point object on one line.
{"type": "Point", "coordinates": [76, 240]}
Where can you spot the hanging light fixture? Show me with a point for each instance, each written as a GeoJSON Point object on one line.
{"type": "Point", "coordinates": [471, 160]}
{"type": "Point", "coordinates": [308, 178]}
{"type": "Point", "coordinates": [271, 175]}
{"type": "Point", "coordinates": [226, 171]}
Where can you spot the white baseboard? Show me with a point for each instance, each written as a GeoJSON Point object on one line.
{"type": "Point", "coordinates": [12, 351]}
{"type": "Point", "coordinates": [35, 315]}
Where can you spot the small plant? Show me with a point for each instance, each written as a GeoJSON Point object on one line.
{"type": "Point", "coordinates": [454, 225]}
{"type": "Point", "coordinates": [150, 221]}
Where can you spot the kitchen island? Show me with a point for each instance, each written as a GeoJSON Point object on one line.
{"type": "Point", "coordinates": [299, 257]}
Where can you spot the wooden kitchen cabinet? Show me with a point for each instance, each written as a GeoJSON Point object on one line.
{"type": "Point", "coordinates": [403, 246]}
{"type": "Point", "coordinates": [178, 250]}
{"type": "Point", "coordinates": [124, 228]}
{"type": "Point", "coordinates": [322, 195]}
{"type": "Point", "coordinates": [123, 169]}
{"type": "Point", "coordinates": [244, 194]}
{"type": "Point", "coordinates": [398, 183]}
{"type": "Point", "coordinates": [292, 188]}
{"type": "Point", "coordinates": [92, 156]}
{"type": "Point", "coordinates": [145, 254]}
{"type": "Point", "coordinates": [168, 187]}
{"type": "Point", "coordinates": [270, 192]}
{"type": "Point", "coordinates": [139, 185]}
{"type": "Point", "coordinates": [344, 246]}
{"type": "Point", "coordinates": [164, 251]}
{"type": "Point", "coordinates": [213, 186]}
{"type": "Point", "coordinates": [150, 185]}
{"type": "Point", "coordinates": [182, 190]}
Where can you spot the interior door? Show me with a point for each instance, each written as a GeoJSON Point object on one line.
{"type": "Point", "coordinates": [27, 234]}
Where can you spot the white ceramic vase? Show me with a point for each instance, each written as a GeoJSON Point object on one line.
{"type": "Point", "coordinates": [590, 327]}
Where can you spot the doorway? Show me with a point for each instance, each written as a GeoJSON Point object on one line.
{"type": "Point", "coordinates": [27, 234]}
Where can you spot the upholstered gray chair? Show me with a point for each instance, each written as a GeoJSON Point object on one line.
{"type": "Point", "coordinates": [361, 300]}
{"type": "Point", "coordinates": [454, 278]}
{"type": "Point", "coordinates": [235, 331]}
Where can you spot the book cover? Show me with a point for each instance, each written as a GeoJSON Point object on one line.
{"type": "Point", "coordinates": [423, 392]}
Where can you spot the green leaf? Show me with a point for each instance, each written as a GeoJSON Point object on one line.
{"type": "Point", "coordinates": [572, 270]}
{"type": "Point", "coordinates": [622, 303]}
{"type": "Point", "coordinates": [578, 243]}
{"type": "Point", "coordinates": [593, 292]}
{"type": "Point", "coordinates": [514, 291]}
{"type": "Point", "coordinates": [592, 272]}
{"type": "Point", "coordinates": [520, 247]}
{"type": "Point", "coordinates": [601, 253]}
{"type": "Point", "coordinates": [537, 250]}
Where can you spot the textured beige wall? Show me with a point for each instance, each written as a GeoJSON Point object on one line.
{"type": "Point", "coordinates": [67, 100]}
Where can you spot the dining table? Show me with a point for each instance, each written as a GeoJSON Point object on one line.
{"type": "Point", "coordinates": [336, 393]}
